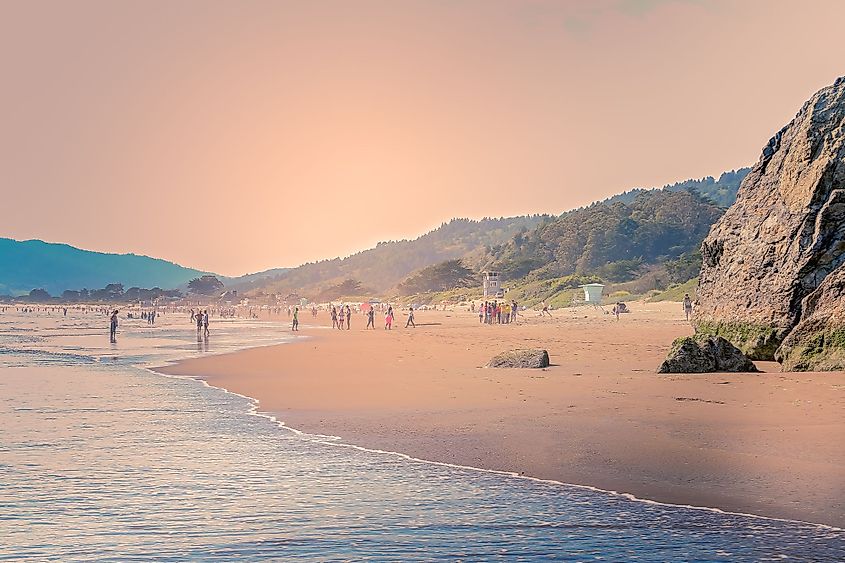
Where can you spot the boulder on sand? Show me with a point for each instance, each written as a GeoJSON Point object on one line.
{"type": "Point", "coordinates": [778, 243]}
{"type": "Point", "coordinates": [531, 358]}
{"type": "Point", "coordinates": [697, 354]}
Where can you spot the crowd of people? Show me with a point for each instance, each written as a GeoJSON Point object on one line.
{"type": "Point", "coordinates": [495, 312]}
{"type": "Point", "coordinates": [489, 313]}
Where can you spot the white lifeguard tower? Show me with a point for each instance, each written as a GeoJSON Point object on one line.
{"type": "Point", "coordinates": [592, 293]}
{"type": "Point", "coordinates": [492, 287]}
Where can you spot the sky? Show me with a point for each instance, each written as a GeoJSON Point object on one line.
{"type": "Point", "coordinates": [243, 135]}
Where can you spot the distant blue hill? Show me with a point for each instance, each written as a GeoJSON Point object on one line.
{"type": "Point", "coordinates": [30, 264]}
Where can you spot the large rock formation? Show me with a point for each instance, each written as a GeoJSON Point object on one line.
{"type": "Point", "coordinates": [703, 354]}
{"type": "Point", "coordinates": [767, 258]}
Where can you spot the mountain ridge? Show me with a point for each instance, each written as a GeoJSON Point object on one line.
{"type": "Point", "coordinates": [34, 263]}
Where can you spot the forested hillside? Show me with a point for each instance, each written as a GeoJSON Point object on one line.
{"type": "Point", "coordinates": [382, 267]}
{"type": "Point", "coordinates": [609, 239]}
{"type": "Point", "coordinates": [614, 239]}
{"type": "Point", "coordinates": [721, 192]}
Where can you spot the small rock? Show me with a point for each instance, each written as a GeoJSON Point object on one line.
{"type": "Point", "coordinates": [530, 358]}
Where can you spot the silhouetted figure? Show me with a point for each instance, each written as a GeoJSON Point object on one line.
{"type": "Point", "coordinates": [113, 327]}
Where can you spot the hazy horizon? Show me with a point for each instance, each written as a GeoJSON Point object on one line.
{"type": "Point", "coordinates": [237, 137]}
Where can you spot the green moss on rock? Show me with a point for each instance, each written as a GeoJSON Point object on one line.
{"type": "Point", "coordinates": [758, 342]}
{"type": "Point", "coordinates": [819, 350]}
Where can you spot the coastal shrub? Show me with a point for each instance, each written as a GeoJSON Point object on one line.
{"type": "Point", "coordinates": [676, 292]}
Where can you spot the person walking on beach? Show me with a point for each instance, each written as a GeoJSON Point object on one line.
{"type": "Point", "coordinates": [410, 318]}
{"type": "Point", "coordinates": [340, 317]}
{"type": "Point", "coordinates": [348, 317]}
{"type": "Point", "coordinates": [295, 324]}
{"type": "Point", "coordinates": [113, 327]}
{"type": "Point", "coordinates": [687, 306]}
{"type": "Point", "coordinates": [388, 319]}
{"type": "Point", "coordinates": [334, 317]}
{"type": "Point", "coordinates": [371, 313]}
{"type": "Point", "coordinates": [205, 324]}
{"type": "Point", "coordinates": [545, 310]}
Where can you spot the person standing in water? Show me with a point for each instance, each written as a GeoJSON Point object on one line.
{"type": "Point", "coordinates": [113, 327]}
{"type": "Point", "coordinates": [410, 321]}
{"type": "Point", "coordinates": [198, 317]}
{"type": "Point", "coordinates": [687, 306]}
{"type": "Point", "coordinates": [205, 323]}
{"type": "Point", "coordinates": [295, 323]}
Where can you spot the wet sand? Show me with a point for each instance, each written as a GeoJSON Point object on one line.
{"type": "Point", "coordinates": [771, 444]}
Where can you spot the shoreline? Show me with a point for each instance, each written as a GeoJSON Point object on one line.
{"type": "Point", "coordinates": [337, 441]}
{"type": "Point", "coordinates": [517, 423]}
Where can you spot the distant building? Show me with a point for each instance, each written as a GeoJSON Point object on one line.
{"type": "Point", "coordinates": [492, 285]}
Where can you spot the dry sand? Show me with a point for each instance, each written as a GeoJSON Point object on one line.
{"type": "Point", "coordinates": [771, 444]}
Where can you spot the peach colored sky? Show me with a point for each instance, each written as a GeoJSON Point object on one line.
{"type": "Point", "coordinates": [237, 136]}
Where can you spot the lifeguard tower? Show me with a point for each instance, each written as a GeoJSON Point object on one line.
{"type": "Point", "coordinates": [492, 285]}
{"type": "Point", "coordinates": [592, 293]}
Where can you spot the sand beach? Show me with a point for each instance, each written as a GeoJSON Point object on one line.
{"type": "Point", "coordinates": [769, 444]}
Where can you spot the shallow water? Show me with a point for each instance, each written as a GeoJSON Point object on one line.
{"type": "Point", "coordinates": [101, 459]}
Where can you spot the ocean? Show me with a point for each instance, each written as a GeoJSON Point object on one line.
{"type": "Point", "coordinates": [102, 459]}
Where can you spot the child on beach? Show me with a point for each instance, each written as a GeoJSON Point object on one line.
{"type": "Point", "coordinates": [388, 319]}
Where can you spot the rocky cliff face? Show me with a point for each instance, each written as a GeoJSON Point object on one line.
{"type": "Point", "coordinates": [766, 260]}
